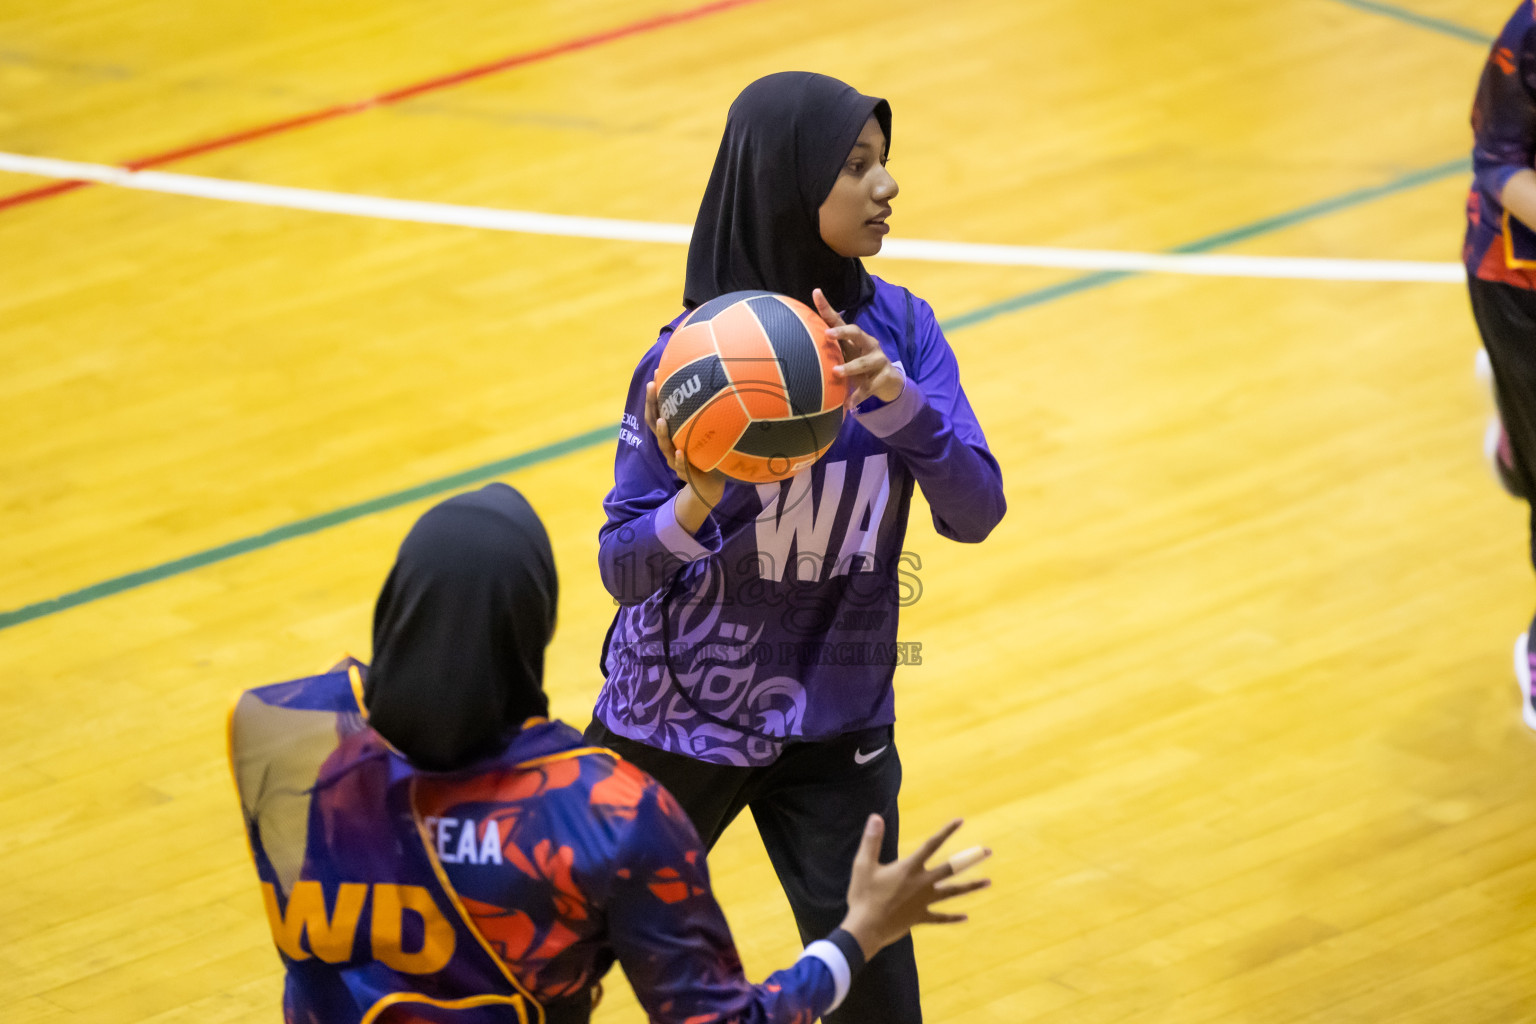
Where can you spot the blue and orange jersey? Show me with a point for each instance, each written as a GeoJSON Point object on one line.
{"type": "Point", "coordinates": [1498, 247]}
{"type": "Point", "coordinates": [507, 889]}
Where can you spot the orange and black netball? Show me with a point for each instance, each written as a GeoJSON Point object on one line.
{"type": "Point", "coordinates": [746, 386]}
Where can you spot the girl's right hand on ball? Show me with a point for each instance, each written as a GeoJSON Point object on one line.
{"type": "Point", "coordinates": [706, 485]}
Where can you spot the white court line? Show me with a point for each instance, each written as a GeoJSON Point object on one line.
{"type": "Point", "coordinates": [677, 234]}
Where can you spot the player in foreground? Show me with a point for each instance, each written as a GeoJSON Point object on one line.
{"type": "Point", "coordinates": [431, 847]}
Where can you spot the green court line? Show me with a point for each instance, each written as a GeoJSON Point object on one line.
{"type": "Point", "coordinates": [336, 517]}
{"type": "Point", "coordinates": [303, 527]}
{"type": "Point", "coordinates": [1071, 286]}
{"type": "Point", "coordinates": [1278, 222]}
{"type": "Point", "coordinates": [1363, 195]}
{"type": "Point", "coordinates": [1440, 25]}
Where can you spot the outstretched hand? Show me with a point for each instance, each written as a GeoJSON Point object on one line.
{"type": "Point", "coordinates": [866, 369]}
{"type": "Point", "coordinates": [886, 900]}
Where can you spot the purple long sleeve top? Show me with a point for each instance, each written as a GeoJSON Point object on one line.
{"type": "Point", "coordinates": [777, 621]}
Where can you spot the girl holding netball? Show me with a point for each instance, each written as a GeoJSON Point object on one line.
{"type": "Point", "coordinates": [750, 663]}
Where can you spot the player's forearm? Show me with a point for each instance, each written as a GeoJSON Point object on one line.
{"type": "Point", "coordinates": [962, 482]}
{"type": "Point", "coordinates": [1519, 196]}
{"type": "Point", "coordinates": [637, 557]}
{"type": "Point", "coordinates": [692, 507]}
{"type": "Point", "coordinates": [683, 966]}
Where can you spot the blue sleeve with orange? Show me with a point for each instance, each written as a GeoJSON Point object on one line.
{"type": "Point", "coordinates": [673, 941]}
{"type": "Point", "coordinates": [1504, 142]}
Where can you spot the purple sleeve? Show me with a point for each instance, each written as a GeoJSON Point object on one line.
{"type": "Point", "coordinates": [931, 426]}
{"type": "Point", "coordinates": [673, 942]}
{"type": "Point", "coordinates": [1504, 112]}
{"type": "Point", "coordinates": [641, 545]}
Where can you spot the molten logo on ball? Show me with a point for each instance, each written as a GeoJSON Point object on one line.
{"type": "Point", "coordinates": [674, 401]}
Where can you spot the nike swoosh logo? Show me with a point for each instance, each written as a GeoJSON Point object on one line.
{"type": "Point", "coordinates": [859, 757]}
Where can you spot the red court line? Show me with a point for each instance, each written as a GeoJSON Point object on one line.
{"type": "Point", "coordinates": [394, 96]}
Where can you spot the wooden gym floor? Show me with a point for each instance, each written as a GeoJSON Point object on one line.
{"type": "Point", "coordinates": [1229, 690]}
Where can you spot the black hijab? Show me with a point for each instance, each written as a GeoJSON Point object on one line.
{"type": "Point", "coordinates": [460, 629]}
{"type": "Point", "coordinates": [786, 139]}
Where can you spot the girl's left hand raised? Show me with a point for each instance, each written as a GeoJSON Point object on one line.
{"type": "Point", "coordinates": [866, 369]}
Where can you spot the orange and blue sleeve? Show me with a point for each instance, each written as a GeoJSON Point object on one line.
{"type": "Point", "coordinates": [675, 946]}
{"type": "Point", "coordinates": [1504, 110]}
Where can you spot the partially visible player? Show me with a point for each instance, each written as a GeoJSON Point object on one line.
{"type": "Point", "coordinates": [1500, 258]}
{"type": "Point", "coordinates": [431, 847]}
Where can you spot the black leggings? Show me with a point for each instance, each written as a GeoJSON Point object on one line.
{"type": "Point", "coordinates": [1506, 319]}
{"type": "Point", "coordinates": [810, 807]}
